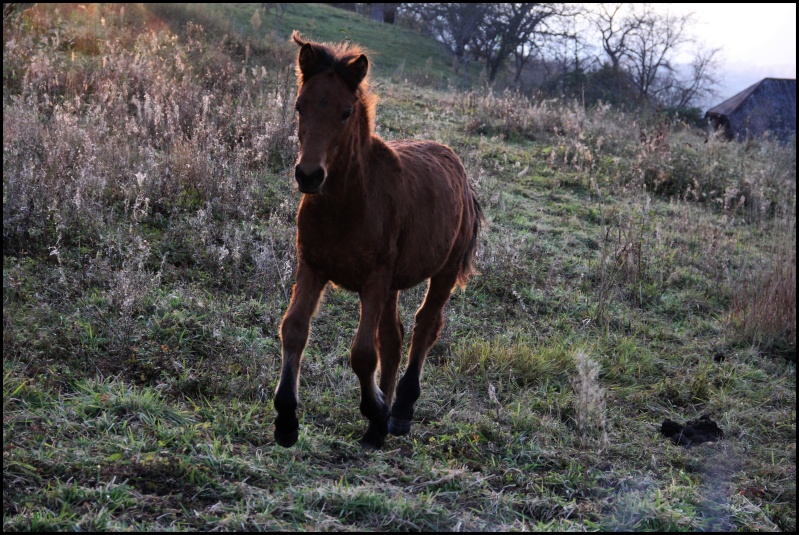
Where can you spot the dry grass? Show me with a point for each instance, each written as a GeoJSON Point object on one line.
{"type": "Point", "coordinates": [764, 311]}
{"type": "Point", "coordinates": [589, 401]}
{"type": "Point", "coordinates": [155, 126]}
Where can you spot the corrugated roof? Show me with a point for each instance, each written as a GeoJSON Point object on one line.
{"type": "Point", "coordinates": [768, 106]}
{"type": "Point", "coordinates": [732, 103]}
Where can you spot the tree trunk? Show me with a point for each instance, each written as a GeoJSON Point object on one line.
{"type": "Point", "coordinates": [378, 12]}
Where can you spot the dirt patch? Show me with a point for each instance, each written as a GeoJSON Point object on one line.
{"type": "Point", "coordinates": [694, 432]}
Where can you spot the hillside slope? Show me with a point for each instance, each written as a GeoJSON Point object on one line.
{"type": "Point", "coordinates": [396, 51]}
{"type": "Point", "coordinates": [632, 271]}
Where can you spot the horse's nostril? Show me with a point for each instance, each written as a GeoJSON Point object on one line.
{"type": "Point", "coordinates": [309, 182]}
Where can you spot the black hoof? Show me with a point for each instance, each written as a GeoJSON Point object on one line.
{"type": "Point", "coordinates": [286, 438]}
{"type": "Point", "coordinates": [399, 426]}
{"type": "Point", "coordinates": [372, 441]}
{"type": "Point", "coordinates": [287, 430]}
{"type": "Point", "coordinates": [375, 435]}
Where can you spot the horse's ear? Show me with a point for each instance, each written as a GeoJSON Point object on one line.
{"type": "Point", "coordinates": [358, 68]}
{"type": "Point", "coordinates": [307, 58]}
{"type": "Point", "coordinates": [297, 38]}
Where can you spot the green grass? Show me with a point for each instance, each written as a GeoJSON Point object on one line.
{"type": "Point", "coordinates": [396, 52]}
{"type": "Point", "coordinates": [149, 257]}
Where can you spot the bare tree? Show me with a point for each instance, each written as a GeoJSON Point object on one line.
{"type": "Point", "coordinates": [652, 48]}
{"type": "Point", "coordinates": [568, 60]}
{"type": "Point", "coordinates": [640, 44]}
{"type": "Point", "coordinates": [615, 27]}
{"type": "Point", "coordinates": [280, 10]}
{"type": "Point", "coordinates": [699, 83]}
{"type": "Point", "coordinates": [452, 24]}
{"type": "Point", "coordinates": [551, 32]}
{"type": "Point", "coordinates": [516, 29]}
{"type": "Point", "coordinates": [493, 32]}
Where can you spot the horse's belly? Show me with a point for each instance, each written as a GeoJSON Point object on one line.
{"type": "Point", "coordinates": [350, 271]}
{"type": "Point", "coordinates": [419, 261]}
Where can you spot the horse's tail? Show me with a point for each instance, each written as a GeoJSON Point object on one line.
{"type": "Point", "coordinates": [467, 262]}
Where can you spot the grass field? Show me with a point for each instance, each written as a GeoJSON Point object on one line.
{"type": "Point", "coordinates": [633, 269]}
{"type": "Point", "coordinates": [396, 52]}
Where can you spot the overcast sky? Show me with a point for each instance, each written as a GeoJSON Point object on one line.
{"type": "Point", "coordinates": [757, 40]}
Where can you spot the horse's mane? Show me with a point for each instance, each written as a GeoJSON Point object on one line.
{"type": "Point", "coordinates": [336, 58]}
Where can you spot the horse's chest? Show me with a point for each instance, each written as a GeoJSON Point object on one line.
{"type": "Point", "coordinates": [345, 258]}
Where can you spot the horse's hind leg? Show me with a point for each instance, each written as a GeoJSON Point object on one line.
{"type": "Point", "coordinates": [427, 326]}
{"type": "Point", "coordinates": [389, 339]}
{"type": "Point", "coordinates": [294, 332]}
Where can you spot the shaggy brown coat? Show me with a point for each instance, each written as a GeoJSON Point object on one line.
{"type": "Point", "coordinates": [375, 217]}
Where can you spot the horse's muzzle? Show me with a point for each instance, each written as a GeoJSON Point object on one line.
{"type": "Point", "coordinates": [309, 182]}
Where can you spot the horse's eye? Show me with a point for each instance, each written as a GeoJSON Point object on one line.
{"type": "Point", "coordinates": [346, 115]}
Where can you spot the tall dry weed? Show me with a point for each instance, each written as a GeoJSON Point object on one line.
{"type": "Point", "coordinates": [763, 312]}
{"type": "Point", "coordinates": [157, 127]}
{"type": "Point", "coordinates": [589, 401]}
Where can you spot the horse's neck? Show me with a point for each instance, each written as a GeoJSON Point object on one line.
{"type": "Point", "coordinates": [348, 173]}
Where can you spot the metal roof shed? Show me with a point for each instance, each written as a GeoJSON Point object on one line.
{"type": "Point", "coordinates": [767, 106]}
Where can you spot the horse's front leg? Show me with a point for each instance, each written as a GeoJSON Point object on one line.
{"type": "Point", "coordinates": [294, 333]}
{"type": "Point", "coordinates": [364, 361]}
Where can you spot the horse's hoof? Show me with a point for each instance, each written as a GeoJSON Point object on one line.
{"type": "Point", "coordinates": [399, 426]}
{"type": "Point", "coordinates": [372, 441]}
{"type": "Point", "coordinates": [375, 435]}
{"type": "Point", "coordinates": [286, 439]}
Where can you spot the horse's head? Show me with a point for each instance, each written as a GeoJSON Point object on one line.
{"type": "Point", "coordinates": [327, 102]}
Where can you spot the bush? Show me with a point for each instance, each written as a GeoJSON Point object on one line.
{"type": "Point", "coordinates": [146, 126]}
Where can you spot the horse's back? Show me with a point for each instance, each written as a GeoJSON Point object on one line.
{"type": "Point", "coordinates": [432, 176]}
{"type": "Point", "coordinates": [422, 160]}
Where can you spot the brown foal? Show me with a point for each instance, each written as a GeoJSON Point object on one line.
{"type": "Point", "coordinates": [375, 218]}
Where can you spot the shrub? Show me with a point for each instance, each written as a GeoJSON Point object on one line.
{"type": "Point", "coordinates": [148, 125]}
